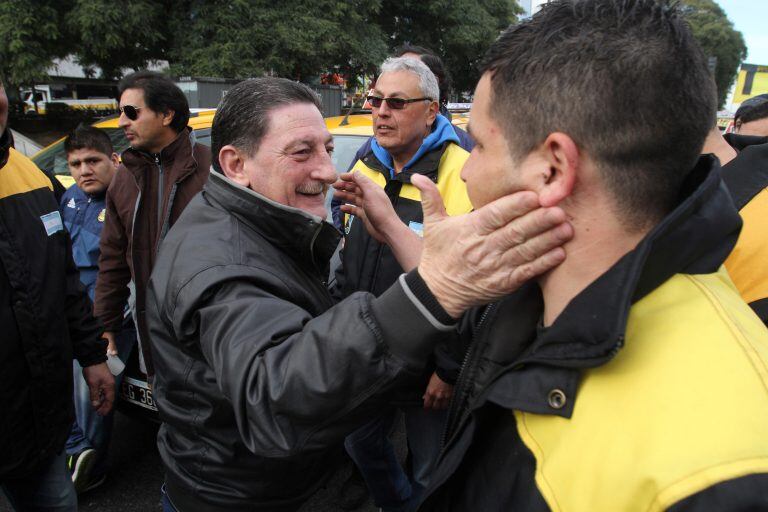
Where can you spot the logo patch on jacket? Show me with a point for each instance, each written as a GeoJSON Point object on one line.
{"type": "Point", "coordinates": [52, 222]}
{"type": "Point", "coordinates": [417, 227]}
{"type": "Point", "coordinates": [348, 224]}
{"type": "Point", "coordinates": [71, 203]}
{"type": "Point", "coordinates": [102, 215]}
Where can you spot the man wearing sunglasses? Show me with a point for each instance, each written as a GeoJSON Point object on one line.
{"type": "Point", "coordinates": [410, 138]}
{"type": "Point", "coordinates": [161, 171]}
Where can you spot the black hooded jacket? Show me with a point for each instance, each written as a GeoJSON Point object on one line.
{"type": "Point", "coordinates": [45, 319]}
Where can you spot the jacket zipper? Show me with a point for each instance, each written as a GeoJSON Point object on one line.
{"type": "Point", "coordinates": [160, 184]}
{"type": "Point", "coordinates": [462, 387]}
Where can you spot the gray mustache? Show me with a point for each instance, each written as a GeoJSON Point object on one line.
{"type": "Point", "coordinates": [311, 188]}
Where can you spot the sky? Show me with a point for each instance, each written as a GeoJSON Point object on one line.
{"type": "Point", "coordinates": [750, 17]}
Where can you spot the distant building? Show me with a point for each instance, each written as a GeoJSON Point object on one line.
{"type": "Point", "coordinates": [530, 6]}
{"type": "Point", "coordinates": [752, 80]}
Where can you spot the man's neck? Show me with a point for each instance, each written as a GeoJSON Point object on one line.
{"type": "Point", "coordinates": [163, 143]}
{"type": "Point", "coordinates": [400, 159]}
{"type": "Point", "coordinates": [596, 246]}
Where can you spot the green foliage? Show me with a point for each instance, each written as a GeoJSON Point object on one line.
{"type": "Point", "coordinates": [114, 35]}
{"type": "Point", "coordinates": [458, 30]}
{"type": "Point", "coordinates": [243, 38]}
{"type": "Point", "coordinates": [31, 38]}
{"type": "Point", "coordinates": [718, 38]}
{"type": "Point", "coordinates": [292, 38]}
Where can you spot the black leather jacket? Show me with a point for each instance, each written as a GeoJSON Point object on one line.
{"type": "Point", "coordinates": [259, 377]}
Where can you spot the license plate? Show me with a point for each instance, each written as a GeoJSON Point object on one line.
{"type": "Point", "coordinates": [137, 392]}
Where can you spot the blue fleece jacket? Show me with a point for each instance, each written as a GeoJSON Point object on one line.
{"type": "Point", "coordinates": [442, 132]}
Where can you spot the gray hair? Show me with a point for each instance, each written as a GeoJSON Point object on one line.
{"type": "Point", "coordinates": [242, 118]}
{"type": "Point", "coordinates": [427, 79]}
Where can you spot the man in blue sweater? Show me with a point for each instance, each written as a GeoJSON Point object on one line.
{"type": "Point", "coordinates": [92, 162]}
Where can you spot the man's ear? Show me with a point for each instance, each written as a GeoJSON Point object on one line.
{"type": "Point", "coordinates": [232, 164]}
{"type": "Point", "coordinates": [115, 159]}
{"type": "Point", "coordinates": [563, 159]}
{"type": "Point", "coordinates": [434, 109]}
{"type": "Point", "coordinates": [168, 117]}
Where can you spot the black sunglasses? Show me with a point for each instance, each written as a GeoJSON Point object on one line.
{"type": "Point", "coordinates": [130, 111]}
{"type": "Point", "coordinates": [393, 103]}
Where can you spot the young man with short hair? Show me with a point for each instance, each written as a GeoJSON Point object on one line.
{"type": "Point", "coordinates": [632, 376]}
{"type": "Point", "coordinates": [92, 163]}
{"type": "Point", "coordinates": [751, 117]}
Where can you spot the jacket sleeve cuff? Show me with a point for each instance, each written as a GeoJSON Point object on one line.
{"type": "Point", "coordinates": [96, 354]}
{"type": "Point", "coordinates": [419, 293]}
{"type": "Point", "coordinates": [410, 328]}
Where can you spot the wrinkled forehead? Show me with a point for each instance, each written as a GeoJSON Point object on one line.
{"type": "Point", "coordinates": [398, 84]}
{"type": "Point", "coordinates": [297, 123]}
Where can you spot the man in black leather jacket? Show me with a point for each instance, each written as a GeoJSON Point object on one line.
{"type": "Point", "coordinates": [259, 376]}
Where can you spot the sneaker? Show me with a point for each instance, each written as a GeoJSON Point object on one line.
{"type": "Point", "coordinates": [80, 465]}
{"type": "Point", "coordinates": [95, 482]}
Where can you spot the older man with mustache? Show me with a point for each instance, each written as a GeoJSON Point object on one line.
{"type": "Point", "coordinates": [259, 375]}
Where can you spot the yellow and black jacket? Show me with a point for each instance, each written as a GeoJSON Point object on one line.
{"type": "Point", "coordinates": [370, 266]}
{"type": "Point", "coordinates": [45, 317]}
{"type": "Point", "coordinates": [648, 393]}
{"type": "Point", "coordinates": [747, 179]}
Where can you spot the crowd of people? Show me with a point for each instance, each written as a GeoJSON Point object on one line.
{"type": "Point", "coordinates": [567, 305]}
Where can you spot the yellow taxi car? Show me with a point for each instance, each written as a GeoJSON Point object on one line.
{"type": "Point", "coordinates": [53, 159]}
{"type": "Point", "coordinates": [348, 136]}
{"type": "Point", "coordinates": [349, 133]}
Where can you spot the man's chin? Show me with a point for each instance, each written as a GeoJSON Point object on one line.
{"type": "Point", "coordinates": [312, 206]}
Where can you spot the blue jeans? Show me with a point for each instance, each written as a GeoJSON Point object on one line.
{"type": "Point", "coordinates": [47, 490]}
{"type": "Point", "coordinates": [369, 446]}
{"type": "Point", "coordinates": [89, 430]}
{"type": "Point", "coordinates": [165, 501]}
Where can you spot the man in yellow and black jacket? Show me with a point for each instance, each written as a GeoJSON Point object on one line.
{"type": "Point", "coordinates": [410, 138]}
{"type": "Point", "coordinates": [632, 377]}
{"type": "Point", "coordinates": [746, 176]}
{"type": "Point", "coordinates": [46, 320]}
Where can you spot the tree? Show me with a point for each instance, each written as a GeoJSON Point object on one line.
{"type": "Point", "coordinates": [460, 31]}
{"type": "Point", "coordinates": [718, 39]}
{"type": "Point", "coordinates": [31, 38]}
{"type": "Point", "coordinates": [291, 38]}
{"type": "Point", "coordinates": [116, 35]}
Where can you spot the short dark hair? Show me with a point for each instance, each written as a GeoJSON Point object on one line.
{"type": "Point", "coordinates": [88, 137]}
{"type": "Point", "coordinates": [242, 118]}
{"type": "Point", "coordinates": [160, 94]}
{"type": "Point", "coordinates": [434, 63]}
{"type": "Point", "coordinates": [624, 78]}
{"type": "Point", "coordinates": [752, 109]}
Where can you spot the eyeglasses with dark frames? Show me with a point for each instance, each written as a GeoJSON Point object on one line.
{"type": "Point", "coordinates": [393, 103]}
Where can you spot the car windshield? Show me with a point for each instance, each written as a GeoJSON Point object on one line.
{"type": "Point", "coordinates": [55, 160]}
{"type": "Point", "coordinates": [344, 149]}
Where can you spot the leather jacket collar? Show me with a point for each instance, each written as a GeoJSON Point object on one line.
{"type": "Point", "coordinates": [304, 236]}
{"type": "Point", "coordinates": [136, 161]}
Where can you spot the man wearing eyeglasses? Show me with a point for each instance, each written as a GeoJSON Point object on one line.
{"type": "Point", "coordinates": [411, 137]}
{"type": "Point", "coordinates": [160, 173]}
